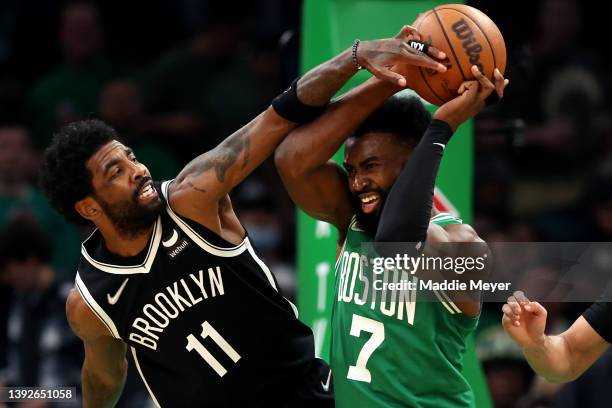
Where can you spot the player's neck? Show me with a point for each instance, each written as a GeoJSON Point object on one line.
{"type": "Point", "coordinates": [123, 245]}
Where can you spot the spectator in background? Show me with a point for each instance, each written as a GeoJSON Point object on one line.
{"type": "Point", "coordinates": [121, 107]}
{"type": "Point", "coordinates": [70, 92]}
{"type": "Point", "coordinates": [189, 89]}
{"type": "Point", "coordinates": [559, 91]}
{"type": "Point", "coordinates": [260, 212]}
{"type": "Point", "coordinates": [18, 168]}
{"type": "Point", "coordinates": [42, 351]}
{"type": "Point", "coordinates": [508, 374]}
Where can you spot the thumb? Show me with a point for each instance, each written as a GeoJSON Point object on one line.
{"type": "Point", "coordinates": [535, 308]}
{"type": "Point", "coordinates": [394, 77]}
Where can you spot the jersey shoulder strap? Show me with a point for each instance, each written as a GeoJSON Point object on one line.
{"type": "Point", "coordinates": [445, 218]}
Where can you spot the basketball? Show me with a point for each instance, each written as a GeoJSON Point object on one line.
{"type": "Point", "coordinates": [468, 37]}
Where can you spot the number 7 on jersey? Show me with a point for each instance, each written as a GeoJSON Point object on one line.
{"type": "Point", "coordinates": [359, 372]}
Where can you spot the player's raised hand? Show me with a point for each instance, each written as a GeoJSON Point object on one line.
{"type": "Point", "coordinates": [524, 320]}
{"type": "Point", "coordinates": [379, 56]}
{"type": "Point", "coordinates": [471, 99]}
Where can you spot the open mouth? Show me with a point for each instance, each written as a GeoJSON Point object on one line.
{"type": "Point", "coordinates": [369, 202]}
{"type": "Point", "coordinates": [147, 192]}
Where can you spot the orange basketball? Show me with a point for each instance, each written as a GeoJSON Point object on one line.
{"type": "Point", "coordinates": [468, 37]}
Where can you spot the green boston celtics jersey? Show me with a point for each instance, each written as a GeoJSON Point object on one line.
{"type": "Point", "coordinates": [389, 349]}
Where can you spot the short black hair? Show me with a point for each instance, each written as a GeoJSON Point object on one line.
{"type": "Point", "coordinates": [405, 116]}
{"type": "Point", "coordinates": [64, 176]}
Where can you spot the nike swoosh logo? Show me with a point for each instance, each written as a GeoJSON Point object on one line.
{"type": "Point", "coordinates": [113, 299]}
{"type": "Point", "coordinates": [170, 242]}
{"type": "Point", "coordinates": [326, 384]}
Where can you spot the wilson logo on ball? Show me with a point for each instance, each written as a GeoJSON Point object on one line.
{"type": "Point", "coordinates": [468, 37]}
{"type": "Point", "coordinates": [473, 49]}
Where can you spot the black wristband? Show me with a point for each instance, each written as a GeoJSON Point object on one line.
{"type": "Point", "coordinates": [598, 316]}
{"type": "Point", "coordinates": [289, 106]}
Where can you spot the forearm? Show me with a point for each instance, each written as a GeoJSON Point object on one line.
{"type": "Point", "coordinates": [310, 146]}
{"type": "Point", "coordinates": [551, 358]}
{"type": "Point", "coordinates": [239, 154]}
{"type": "Point", "coordinates": [405, 217]}
{"type": "Point", "coordinates": [100, 394]}
{"type": "Point", "coordinates": [317, 86]}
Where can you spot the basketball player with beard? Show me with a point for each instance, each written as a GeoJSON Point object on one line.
{"type": "Point", "coordinates": [170, 273]}
{"type": "Point", "coordinates": [387, 348]}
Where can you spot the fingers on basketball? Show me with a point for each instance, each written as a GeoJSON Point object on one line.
{"type": "Point", "coordinates": [486, 85]}
{"type": "Point", "coordinates": [421, 59]}
{"type": "Point", "coordinates": [500, 82]}
{"type": "Point", "coordinates": [408, 32]}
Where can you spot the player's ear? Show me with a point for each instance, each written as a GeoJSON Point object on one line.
{"type": "Point", "coordinates": [88, 208]}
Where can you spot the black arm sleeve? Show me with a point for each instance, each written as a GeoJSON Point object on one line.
{"type": "Point", "coordinates": [405, 216]}
{"type": "Point", "coordinates": [599, 315]}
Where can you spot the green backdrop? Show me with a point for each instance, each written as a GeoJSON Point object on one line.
{"type": "Point", "coordinates": [330, 26]}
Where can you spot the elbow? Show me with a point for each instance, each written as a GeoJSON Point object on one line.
{"type": "Point", "coordinates": [106, 383]}
{"type": "Point", "coordinates": [559, 379]}
{"type": "Point", "coordinates": [287, 162]}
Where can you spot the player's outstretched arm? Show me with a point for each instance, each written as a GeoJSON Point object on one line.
{"type": "Point", "coordinates": [105, 366]}
{"type": "Point", "coordinates": [318, 186]}
{"type": "Point", "coordinates": [213, 174]}
{"type": "Point", "coordinates": [559, 358]}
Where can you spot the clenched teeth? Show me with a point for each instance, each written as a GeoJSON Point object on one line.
{"type": "Point", "coordinates": [369, 198]}
{"type": "Point", "coordinates": [147, 191]}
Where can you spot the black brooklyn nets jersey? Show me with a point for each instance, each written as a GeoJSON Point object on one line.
{"type": "Point", "coordinates": [203, 320]}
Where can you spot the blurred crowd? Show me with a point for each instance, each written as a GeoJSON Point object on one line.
{"type": "Point", "coordinates": [175, 77]}
{"type": "Point", "coordinates": [543, 172]}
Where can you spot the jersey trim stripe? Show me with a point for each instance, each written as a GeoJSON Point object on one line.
{"type": "Point", "coordinates": [197, 238]}
{"type": "Point", "coordinates": [144, 267]}
{"type": "Point", "coordinates": [269, 275]}
{"type": "Point", "coordinates": [444, 217]}
{"type": "Point", "coordinates": [447, 307]}
{"type": "Point", "coordinates": [143, 378]}
{"type": "Point", "coordinates": [354, 225]}
{"type": "Point", "coordinates": [450, 302]}
{"type": "Point", "coordinates": [95, 307]}
{"type": "Point", "coordinates": [262, 265]}
{"type": "Point", "coordinates": [339, 255]}
{"type": "Point", "coordinates": [293, 307]}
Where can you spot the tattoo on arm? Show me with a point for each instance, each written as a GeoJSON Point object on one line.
{"type": "Point", "coordinates": [224, 156]}
{"type": "Point", "coordinates": [247, 151]}
{"type": "Point", "coordinates": [200, 190]}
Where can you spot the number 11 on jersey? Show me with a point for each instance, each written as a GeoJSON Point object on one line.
{"type": "Point", "coordinates": [208, 331]}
